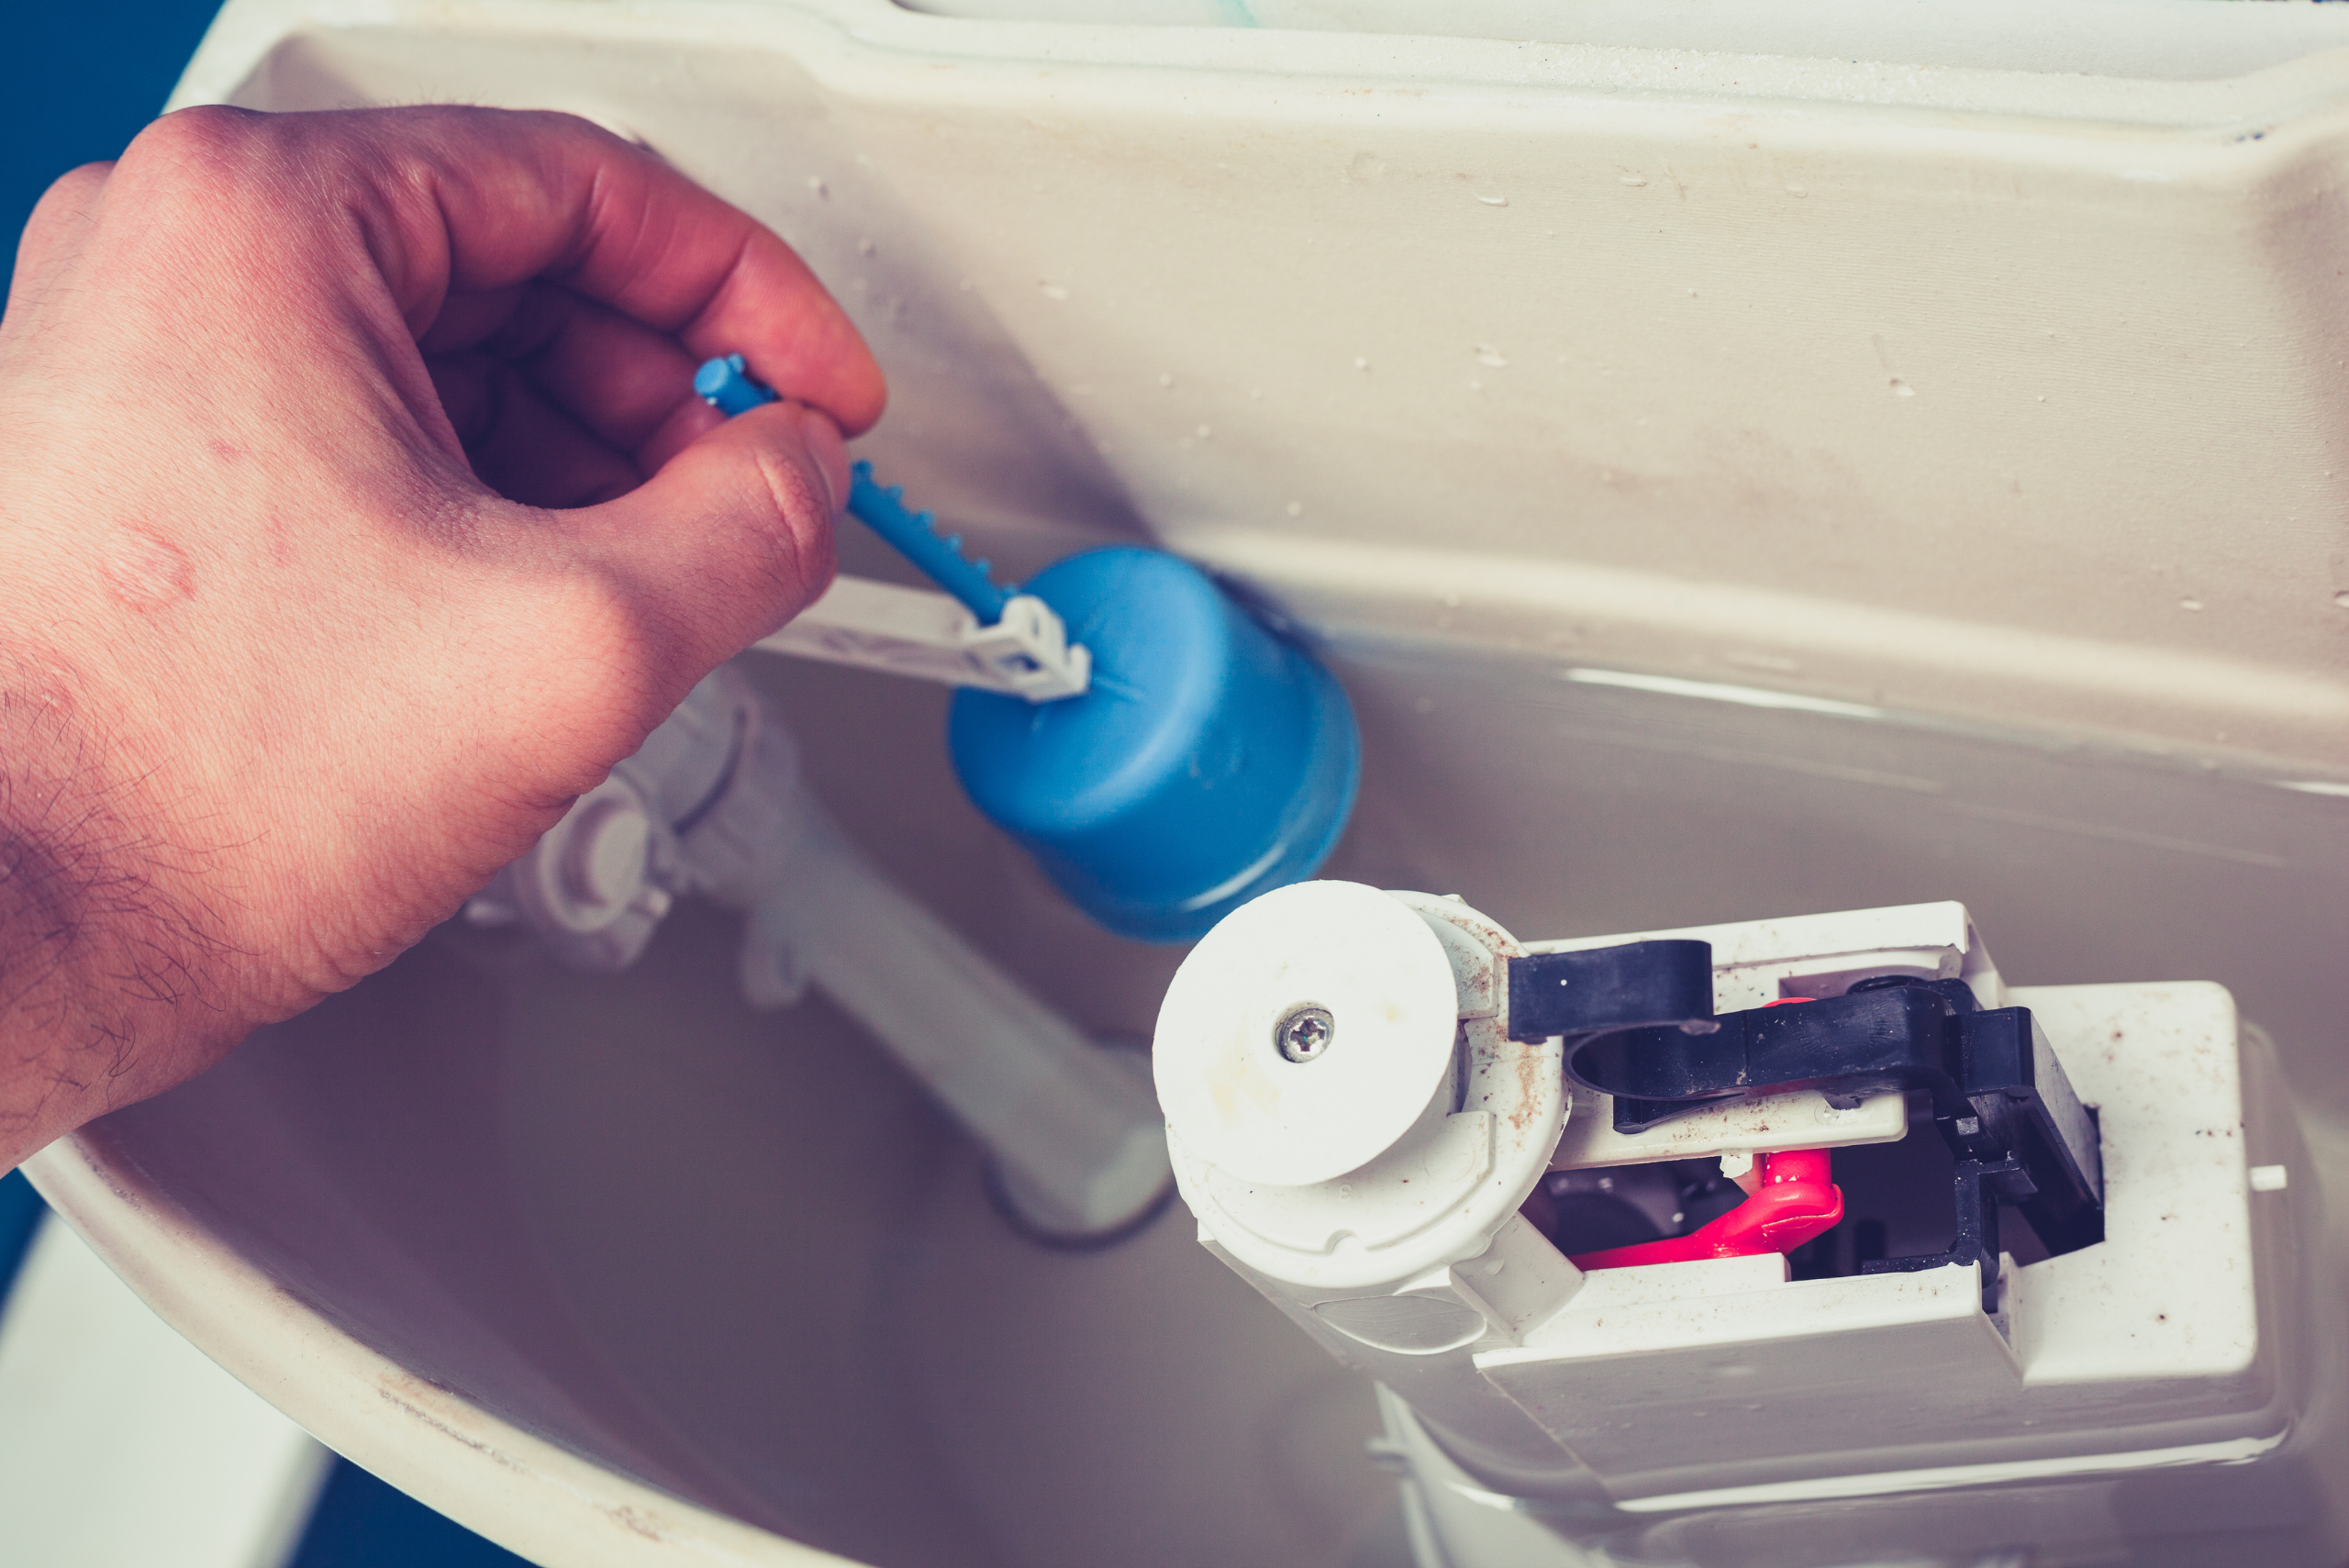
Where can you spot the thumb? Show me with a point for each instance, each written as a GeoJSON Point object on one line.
{"type": "Point", "coordinates": [732, 537]}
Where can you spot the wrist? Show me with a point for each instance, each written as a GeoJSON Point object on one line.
{"type": "Point", "coordinates": [102, 970]}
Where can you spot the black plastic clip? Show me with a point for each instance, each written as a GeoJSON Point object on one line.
{"type": "Point", "coordinates": [1666, 983]}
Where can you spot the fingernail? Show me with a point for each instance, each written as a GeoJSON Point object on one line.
{"type": "Point", "coordinates": [824, 444]}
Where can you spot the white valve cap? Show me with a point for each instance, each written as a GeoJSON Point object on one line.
{"type": "Point", "coordinates": [1379, 976]}
{"type": "Point", "coordinates": [604, 857]}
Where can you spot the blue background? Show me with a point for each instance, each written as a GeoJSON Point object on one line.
{"type": "Point", "coordinates": [77, 82]}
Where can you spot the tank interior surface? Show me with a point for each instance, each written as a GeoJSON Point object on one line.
{"type": "Point", "coordinates": [739, 1257]}
{"type": "Point", "coordinates": [1680, 584]}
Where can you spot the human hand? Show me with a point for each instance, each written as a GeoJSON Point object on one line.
{"type": "Point", "coordinates": [356, 516]}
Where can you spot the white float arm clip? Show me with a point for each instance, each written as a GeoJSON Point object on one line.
{"type": "Point", "coordinates": [912, 631]}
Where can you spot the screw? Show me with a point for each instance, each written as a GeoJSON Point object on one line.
{"type": "Point", "coordinates": [1303, 1033]}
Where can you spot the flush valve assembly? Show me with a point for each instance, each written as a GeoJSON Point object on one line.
{"type": "Point", "coordinates": [1646, 1238]}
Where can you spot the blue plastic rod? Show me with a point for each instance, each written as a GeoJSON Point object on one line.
{"type": "Point", "coordinates": [941, 560]}
{"type": "Point", "coordinates": [725, 385]}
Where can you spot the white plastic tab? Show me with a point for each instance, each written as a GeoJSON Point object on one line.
{"type": "Point", "coordinates": [1803, 1119]}
{"type": "Point", "coordinates": [912, 631]}
{"type": "Point", "coordinates": [1756, 961]}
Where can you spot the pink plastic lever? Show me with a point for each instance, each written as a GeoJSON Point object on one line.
{"type": "Point", "coordinates": [1798, 1201]}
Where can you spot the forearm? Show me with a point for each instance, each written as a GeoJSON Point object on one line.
{"type": "Point", "coordinates": [104, 973]}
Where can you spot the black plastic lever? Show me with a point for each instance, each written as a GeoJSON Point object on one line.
{"type": "Point", "coordinates": [1638, 1027]}
{"type": "Point", "coordinates": [1899, 1037]}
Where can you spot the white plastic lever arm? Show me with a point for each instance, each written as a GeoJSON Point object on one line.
{"type": "Point", "coordinates": [1075, 1130]}
{"type": "Point", "coordinates": [714, 804]}
{"type": "Point", "coordinates": [912, 631]}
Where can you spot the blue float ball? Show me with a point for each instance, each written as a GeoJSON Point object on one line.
{"type": "Point", "coordinates": [1208, 761]}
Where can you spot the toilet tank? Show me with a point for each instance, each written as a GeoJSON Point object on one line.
{"type": "Point", "coordinates": [1820, 457]}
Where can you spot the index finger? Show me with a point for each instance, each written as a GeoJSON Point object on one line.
{"type": "Point", "coordinates": [469, 199]}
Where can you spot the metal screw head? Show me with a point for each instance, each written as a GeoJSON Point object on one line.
{"type": "Point", "coordinates": [1303, 1033]}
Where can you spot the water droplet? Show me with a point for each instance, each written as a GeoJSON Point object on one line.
{"type": "Point", "coordinates": [1361, 363]}
{"type": "Point", "coordinates": [1902, 389]}
{"type": "Point", "coordinates": [1630, 178]}
{"type": "Point", "coordinates": [2190, 604]}
{"type": "Point", "coordinates": [866, 248]}
{"type": "Point", "coordinates": [1494, 201]}
{"type": "Point", "coordinates": [1052, 290]}
{"type": "Point", "coordinates": [1452, 601]}
{"type": "Point", "coordinates": [1476, 385]}
{"type": "Point", "coordinates": [1797, 191]}
{"type": "Point", "coordinates": [1296, 510]}
{"type": "Point", "coordinates": [1493, 357]}
{"type": "Point", "coordinates": [1166, 380]}
{"type": "Point", "coordinates": [1257, 393]}
{"type": "Point", "coordinates": [1423, 704]}
{"type": "Point", "coordinates": [1204, 433]}
{"type": "Point", "coordinates": [2341, 599]}
{"type": "Point", "coordinates": [1365, 168]}
{"type": "Point", "coordinates": [816, 184]}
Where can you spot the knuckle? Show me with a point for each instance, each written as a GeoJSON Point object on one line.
{"type": "Point", "coordinates": [798, 541]}
{"type": "Point", "coordinates": [72, 197]}
{"type": "Point", "coordinates": [76, 187]}
{"type": "Point", "coordinates": [194, 167]}
{"type": "Point", "coordinates": [205, 133]}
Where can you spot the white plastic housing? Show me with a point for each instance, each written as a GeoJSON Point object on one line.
{"type": "Point", "coordinates": [1411, 1254]}
{"type": "Point", "coordinates": [1657, 1407]}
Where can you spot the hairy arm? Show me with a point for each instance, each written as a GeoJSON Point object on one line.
{"type": "Point", "coordinates": [355, 517]}
{"type": "Point", "coordinates": [90, 942]}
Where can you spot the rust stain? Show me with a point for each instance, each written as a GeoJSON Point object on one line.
{"type": "Point", "coordinates": [467, 1439]}
{"type": "Point", "coordinates": [1529, 1087]}
{"type": "Point", "coordinates": [628, 1517]}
